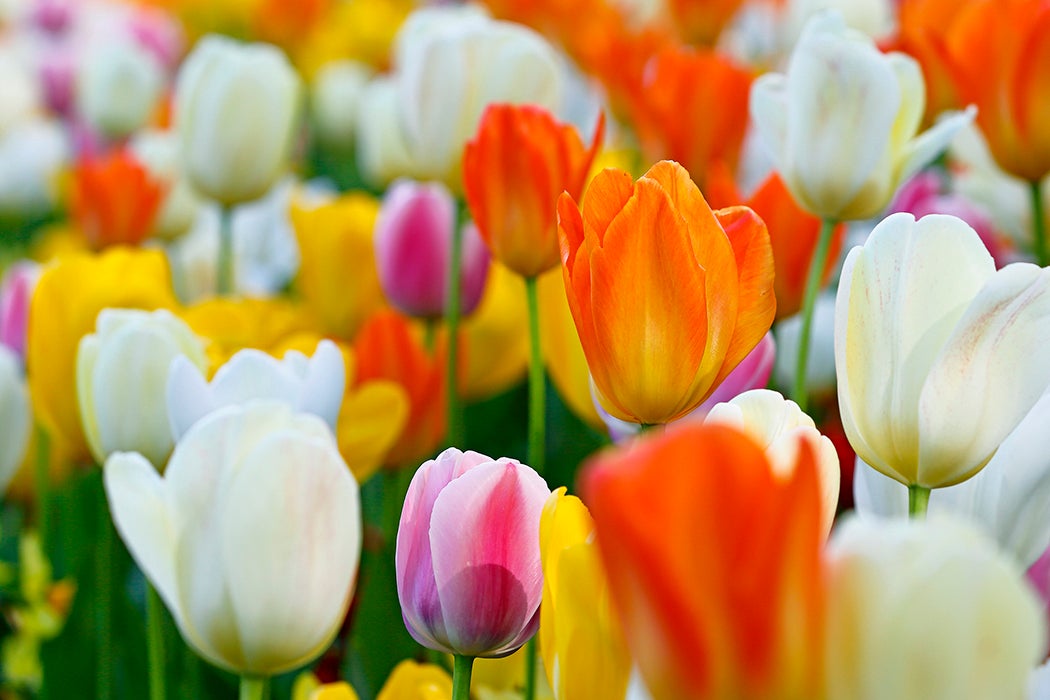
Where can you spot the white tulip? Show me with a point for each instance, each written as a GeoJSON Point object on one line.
{"type": "Point", "coordinates": [252, 537]}
{"type": "Point", "coordinates": [122, 374]}
{"type": "Point", "coordinates": [939, 356]}
{"type": "Point", "coordinates": [842, 123]}
{"type": "Point", "coordinates": [307, 385]}
{"type": "Point", "coordinates": [235, 110]}
{"type": "Point", "coordinates": [159, 152]}
{"type": "Point", "coordinates": [926, 610]}
{"type": "Point", "coordinates": [820, 365]}
{"type": "Point", "coordinates": [16, 417]}
{"type": "Point", "coordinates": [118, 87]}
{"type": "Point", "coordinates": [382, 154]}
{"type": "Point", "coordinates": [20, 99]}
{"type": "Point", "coordinates": [335, 98]}
{"type": "Point", "coordinates": [779, 426]}
{"type": "Point", "coordinates": [33, 156]}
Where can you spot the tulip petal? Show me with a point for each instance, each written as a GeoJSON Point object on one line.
{"type": "Point", "coordinates": [325, 373]}
{"type": "Point", "coordinates": [371, 420]}
{"type": "Point", "coordinates": [87, 356]}
{"type": "Point", "coordinates": [768, 107]}
{"type": "Point", "coordinates": [188, 396]}
{"type": "Point", "coordinates": [932, 142]}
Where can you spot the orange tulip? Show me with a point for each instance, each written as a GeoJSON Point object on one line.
{"type": "Point", "coordinates": [714, 563]}
{"type": "Point", "coordinates": [387, 349]}
{"type": "Point", "coordinates": [513, 171]}
{"type": "Point", "coordinates": [691, 107]}
{"type": "Point", "coordinates": [1000, 54]}
{"type": "Point", "coordinates": [923, 35]}
{"type": "Point", "coordinates": [793, 233]}
{"type": "Point", "coordinates": [667, 296]}
{"type": "Point", "coordinates": [115, 199]}
{"type": "Point", "coordinates": [702, 21]}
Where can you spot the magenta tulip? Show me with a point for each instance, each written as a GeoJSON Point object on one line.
{"type": "Point", "coordinates": [413, 244]}
{"type": "Point", "coordinates": [469, 576]}
{"type": "Point", "coordinates": [15, 292]}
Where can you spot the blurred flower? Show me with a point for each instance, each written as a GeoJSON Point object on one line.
{"type": "Point", "coordinates": [873, 18]}
{"type": "Point", "coordinates": [235, 110]}
{"type": "Point", "coordinates": [251, 538]}
{"type": "Point", "coordinates": [286, 24]}
{"type": "Point", "coordinates": [362, 30]}
{"type": "Point", "coordinates": [923, 33]}
{"type": "Point", "coordinates": [779, 426]}
{"type": "Point", "coordinates": [701, 21]}
{"type": "Point", "coordinates": [514, 168]}
{"type": "Point", "coordinates": [115, 199]}
{"type": "Point", "coordinates": [415, 681]}
{"type": "Point", "coordinates": [306, 384]}
{"type": "Point", "coordinates": [118, 87]}
{"type": "Point", "coordinates": [468, 557]}
{"type": "Point", "coordinates": [337, 276]}
{"type": "Point", "coordinates": [926, 609]}
{"type": "Point", "coordinates": [651, 256]}
{"type": "Point", "coordinates": [413, 243]}
{"type": "Point", "coordinates": [333, 691]}
{"type": "Point", "coordinates": [16, 291]}
{"type": "Point", "coordinates": [717, 580]}
{"type": "Point", "coordinates": [158, 151]}
{"type": "Point", "coordinates": [820, 380]}
{"type": "Point", "coordinates": [1000, 60]}
{"type": "Point", "coordinates": [122, 375]}
{"type": "Point", "coordinates": [584, 653]}
{"type": "Point", "coordinates": [16, 416]}
{"type": "Point", "coordinates": [32, 156]}
{"type": "Point", "coordinates": [382, 155]}
{"type": "Point", "coordinates": [68, 297]}
{"type": "Point", "coordinates": [838, 86]}
{"type": "Point", "coordinates": [495, 339]}
{"type": "Point", "coordinates": [334, 99]}
{"type": "Point", "coordinates": [923, 325]}
{"type": "Point", "coordinates": [19, 92]}
{"type": "Point", "coordinates": [231, 325]}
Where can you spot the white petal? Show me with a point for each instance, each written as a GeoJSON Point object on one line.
{"type": "Point", "coordinates": [188, 396]}
{"type": "Point", "coordinates": [930, 143]}
{"type": "Point", "coordinates": [16, 416]}
{"type": "Point", "coordinates": [324, 383]}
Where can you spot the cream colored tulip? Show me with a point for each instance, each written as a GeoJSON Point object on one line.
{"type": "Point", "coordinates": [252, 537]}
{"type": "Point", "coordinates": [118, 87]}
{"type": "Point", "coordinates": [926, 610]}
{"type": "Point", "coordinates": [122, 375]}
{"type": "Point", "coordinates": [16, 418]}
{"type": "Point", "coordinates": [939, 356]}
{"type": "Point", "coordinates": [335, 97]}
{"type": "Point", "coordinates": [236, 107]}
{"type": "Point", "coordinates": [780, 427]}
{"type": "Point", "coordinates": [841, 124]}
{"type": "Point", "coordinates": [159, 152]}
{"type": "Point", "coordinates": [382, 154]}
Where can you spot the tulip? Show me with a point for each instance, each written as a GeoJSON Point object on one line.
{"type": "Point", "coordinates": [16, 417]}
{"type": "Point", "coordinates": [923, 325]}
{"type": "Point", "coordinates": [21, 95]}
{"type": "Point", "coordinates": [16, 290]}
{"type": "Point", "coordinates": [469, 576]}
{"type": "Point", "coordinates": [819, 381]}
{"type": "Point", "coordinates": [382, 154]}
{"type": "Point", "coordinates": [701, 21]}
{"type": "Point", "coordinates": [926, 610]}
{"type": "Point", "coordinates": [337, 275]}
{"type": "Point", "coordinates": [306, 384]}
{"type": "Point", "coordinates": [118, 87]}
{"type": "Point", "coordinates": [514, 168]}
{"type": "Point", "coordinates": [841, 124]}
{"type": "Point", "coordinates": [115, 199]}
{"type": "Point", "coordinates": [414, 681]}
{"type": "Point", "coordinates": [413, 242]}
{"type": "Point", "coordinates": [780, 427]}
{"type": "Point", "coordinates": [495, 340]}
{"type": "Point", "coordinates": [335, 98]}
{"type": "Point", "coordinates": [251, 538]}
{"type": "Point", "coordinates": [122, 372]}
{"type": "Point", "coordinates": [668, 297]}
{"type": "Point", "coordinates": [924, 27]}
{"type": "Point", "coordinates": [158, 151]}
{"type": "Point", "coordinates": [33, 156]}
{"type": "Point", "coordinates": [235, 111]}
{"type": "Point", "coordinates": [717, 580]}
{"type": "Point", "coordinates": [68, 298]}
{"type": "Point", "coordinates": [232, 325]}
{"type": "Point", "coordinates": [584, 652]}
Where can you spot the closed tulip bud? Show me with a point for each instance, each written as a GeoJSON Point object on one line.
{"type": "Point", "coordinates": [16, 290]}
{"type": "Point", "coordinates": [16, 418]}
{"type": "Point", "coordinates": [841, 124]}
{"type": "Point", "coordinates": [306, 384]}
{"type": "Point", "coordinates": [118, 88]}
{"type": "Point", "coordinates": [469, 576]}
{"type": "Point", "coordinates": [780, 426]}
{"type": "Point", "coordinates": [926, 610]}
{"type": "Point", "coordinates": [235, 110]}
{"type": "Point", "coordinates": [668, 296]}
{"type": "Point", "coordinates": [252, 536]}
{"type": "Point", "coordinates": [415, 681]}
{"type": "Point", "coordinates": [939, 356]}
{"type": "Point", "coordinates": [413, 242]}
{"type": "Point", "coordinates": [122, 373]}
{"type": "Point", "coordinates": [335, 97]}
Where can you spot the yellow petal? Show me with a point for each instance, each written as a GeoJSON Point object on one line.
{"type": "Point", "coordinates": [371, 419]}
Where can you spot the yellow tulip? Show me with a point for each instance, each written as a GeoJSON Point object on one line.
{"type": "Point", "coordinates": [583, 648]}
{"type": "Point", "coordinates": [337, 274]}
{"type": "Point", "coordinates": [334, 691]}
{"type": "Point", "coordinates": [414, 681]}
{"type": "Point", "coordinates": [497, 341]}
{"type": "Point", "coordinates": [234, 324]}
{"type": "Point", "coordinates": [362, 30]}
{"type": "Point", "coordinates": [68, 297]}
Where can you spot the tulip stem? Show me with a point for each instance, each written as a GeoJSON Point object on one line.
{"type": "Point", "coordinates": [253, 688]}
{"type": "Point", "coordinates": [1038, 223]}
{"type": "Point", "coordinates": [429, 335]}
{"type": "Point", "coordinates": [530, 669]}
{"type": "Point", "coordinates": [155, 643]}
{"type": "Point", "coordinates": [104, 603]}
{"type": "Point", "coordinates": [537, 383]}
{"type": "Point", "coordinates": [224, 273]}
{"type": "Point", "coordinates": [918, 500]}
{"type": "Point", "coordinates": [42, 479]}
{"type": "Point", "coordinates": [813, 283]}
{"type": "Point", "coordinates": [462, 667]}
{"type": "Point", "coordinates": [455, 411]}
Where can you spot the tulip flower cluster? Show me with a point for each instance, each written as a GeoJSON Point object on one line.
{"type": "Point", "coordinates": [525, 349]}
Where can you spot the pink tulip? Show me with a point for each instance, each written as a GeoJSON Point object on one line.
{"type": "Point", "coordinates": [159, 33]}
{"type": "Point", "coordinates": [15, 291]}
{"type": "Point", "coordinates": [53, 17]}
{"type": "Point", "coordinates": [413, 243]}
{"type": "Point", "coordinates": [468, 555]}
{"type": "Point", "coordinates": [58, 80]}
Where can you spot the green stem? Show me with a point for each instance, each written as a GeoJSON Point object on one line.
{"type": "Point", "coordinates": [155, 643]}
{"type": "Point", "coordinates": [455, 411]}
{"type": "Point", "coordinates": [1038, 223]}
{"type": "Point", "coordinates": [530, 669]}
{"type": "Point", "coordinates": [918, 500]}
{"type": "Point", "coordinates": [42, 479]}
{"type": "Point", "coordinates": [104, 604]}
{"type": "Point", "coordinates": [813, 284]}
{"type": "Point", "coordinates": [430, 326]}
{"type": "Point", "coordinates": [224, 273]}
{"type": "Point", "coordinates": [190, 681]}
{"type": "Point", "coordinates": [253, 688]}
{"type": "Point", "coordinates": [462, 667]}
{"type": "Point", "coordinates": [537, 383]}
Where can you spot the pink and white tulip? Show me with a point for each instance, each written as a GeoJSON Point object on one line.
{"type": "Point", "coordinates": [15, 292]}
{"type": "Point", "coordinates": [469, 576]}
